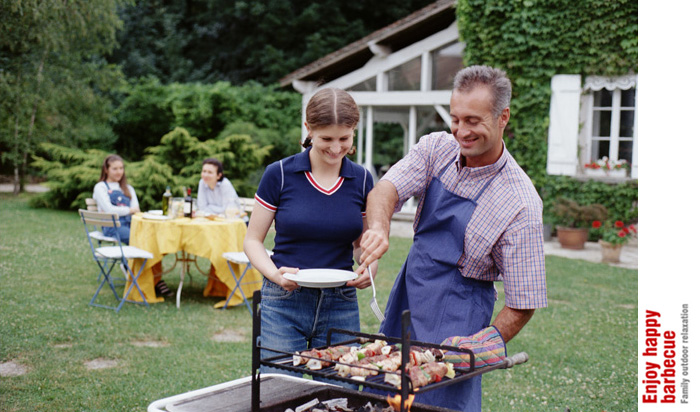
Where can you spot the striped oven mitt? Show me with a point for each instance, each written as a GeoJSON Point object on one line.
{"type": "Point", "coordinates": [487, 345]}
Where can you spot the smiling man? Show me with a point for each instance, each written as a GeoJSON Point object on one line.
{"type": "Point", "coordinates": [479, 220]}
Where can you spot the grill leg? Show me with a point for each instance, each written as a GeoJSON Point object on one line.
{"type": "Point", "coordinates": [255, 395]}
{"type": "Point", "coordinates": [405, 348]}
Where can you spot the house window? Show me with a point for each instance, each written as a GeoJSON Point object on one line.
{"type": "Point", "coordinates": [608, 113]}
{"type": "Point", "coordinates": [447, 61]}
{"type": "Point", "coordinates": [405, 76]}
{"type": "Point", "coordinates": [592, 125]}
{"type": "Point", "coordinates": [613, 124]}
{"type": "Point", "coordinates": [369, 85]}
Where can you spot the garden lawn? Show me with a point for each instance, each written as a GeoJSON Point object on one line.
{"type": "Point", "coordinates": [583, 348]}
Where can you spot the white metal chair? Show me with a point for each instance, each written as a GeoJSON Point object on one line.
{"type": "Point", "coordinates": [107, 257]}
{"type": "Point", "coordinates": [96, 233]}
{"type": "Point", "coordinates": [240, 258]}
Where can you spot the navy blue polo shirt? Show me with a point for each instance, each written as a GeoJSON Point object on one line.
{"type": "Point", "coordinates": [315, 226]}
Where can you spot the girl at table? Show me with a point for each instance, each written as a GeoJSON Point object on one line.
{"type": "Point", "coordinates": [113, 194]}
{"type": "Point", "coordinates": [317, 200]}
{"type": "Point", "coordinates": [215, 193]}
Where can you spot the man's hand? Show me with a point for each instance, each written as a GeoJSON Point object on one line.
{"type": "Point", "coordinates": [374, 244]}
{"type": "Point", "coordinates": [381, 202]}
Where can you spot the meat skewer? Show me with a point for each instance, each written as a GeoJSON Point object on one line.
{"type": "Point", "coordinates": [320, 358]}
{"type": "Point", "coordinates": [422, 375]}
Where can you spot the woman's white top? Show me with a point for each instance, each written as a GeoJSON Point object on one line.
{"type": "Point", "coordinates": [104, 204]}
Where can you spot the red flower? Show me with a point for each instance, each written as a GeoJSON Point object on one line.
{"type": "Point", "coordinates": [626, 230]}
{"type": "Point", "coordinates": [597, 224]}
{"type": "Point", "coordinates": [633, 229]}
{"type": "Point", "coordinates": [621, 233]}
{"type": "Point", "coordinates": [619, 224]}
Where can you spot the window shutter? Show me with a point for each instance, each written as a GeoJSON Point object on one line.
{"type": "Point", "coordinates": [562, 145]}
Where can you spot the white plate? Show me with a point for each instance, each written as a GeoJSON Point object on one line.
{"type": "Point", "coordinates": [155, 217]}
{"type": "Point", "coordinates": [321, 278]}
{"type": "Point", "coordinates": [155, 212]}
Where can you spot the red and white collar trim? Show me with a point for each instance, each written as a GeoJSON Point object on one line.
{"type": "Point", "coordinates": [320, 188]}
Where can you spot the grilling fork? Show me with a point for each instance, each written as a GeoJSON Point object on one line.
{"type": "Point", "coordinates": [373, 303]}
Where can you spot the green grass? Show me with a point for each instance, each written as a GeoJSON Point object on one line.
{"type": "Point", "coordinates": [583, 348]}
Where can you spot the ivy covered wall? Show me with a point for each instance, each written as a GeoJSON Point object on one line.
{"type": "Point", "coordinates": [532, 40]}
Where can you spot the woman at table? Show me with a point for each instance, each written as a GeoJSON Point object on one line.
{"type": "Point", "coordinates": [317, 200]}
{"type": "Point", "coordinates": [113, 194]}
{"type": "Point", "coordinates": [215, 193]}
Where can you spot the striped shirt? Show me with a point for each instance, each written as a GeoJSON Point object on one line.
{"type": "Point", "coordinates": [503, 240]}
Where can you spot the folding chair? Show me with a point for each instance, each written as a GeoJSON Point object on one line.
{"type": "Point", "coordinates": [107, 257]}
{"type": "Point", "coordinates": [96, 233]}
{"type": "Point", "coordinates": [240, 258]}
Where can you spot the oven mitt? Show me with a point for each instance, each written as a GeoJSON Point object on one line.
{"type": "Point", "coordinates": [487, 345]}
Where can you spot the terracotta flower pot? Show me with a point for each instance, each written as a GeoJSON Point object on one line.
{"type": "Point", "coordinates": [572, 237]}
{"type": "Point", "coordinates": [611, 253]}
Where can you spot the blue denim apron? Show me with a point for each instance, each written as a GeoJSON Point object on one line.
{"type": "Point", "coordinates": [442, 302]}
{"type": "Point", "coordinates": [118, 198]}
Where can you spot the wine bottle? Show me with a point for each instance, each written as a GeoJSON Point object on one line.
{"type": "Point", "coordinates": [188, 203]}
{"type": "Point", "coordinates": [167, 196]}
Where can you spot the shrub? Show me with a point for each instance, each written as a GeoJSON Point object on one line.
{"type": "Point", "coordinates": [176, 162]}
{"type": "Point", "coordinates": [568, 213]}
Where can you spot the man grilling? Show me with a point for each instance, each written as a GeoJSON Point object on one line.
{"type": "Point", "coordinates": [479, 219]}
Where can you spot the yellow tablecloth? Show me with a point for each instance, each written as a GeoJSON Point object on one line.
{"type": "Point", "coordinates": [201, 237]}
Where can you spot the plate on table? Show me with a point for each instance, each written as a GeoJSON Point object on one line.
{"type": "Point", "coordinates": [155, 212]}
{"type": "Point", "coordinates": [150, 216]}
{"type": "Point", "coordinates": [321, 278]}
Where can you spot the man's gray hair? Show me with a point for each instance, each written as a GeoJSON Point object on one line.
{"type": "Point", "coordinates": [495, 79]}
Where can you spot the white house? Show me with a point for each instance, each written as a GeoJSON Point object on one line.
{"type": "Point", "coordinates": [399, 74]}
{"type": "Point", "coordinates": [403, 74]}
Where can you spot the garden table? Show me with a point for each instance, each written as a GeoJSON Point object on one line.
{"type": "Point", "coordinates": [207, 238]}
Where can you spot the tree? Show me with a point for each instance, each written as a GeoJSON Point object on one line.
{"type": "Point", "coordinates": [150, 109]}
{"type": "Point", "coordinates": [52, 75]}
{"type": "Point", "coordinates": [237, 41]}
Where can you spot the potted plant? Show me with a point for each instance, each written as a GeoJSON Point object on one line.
{"type": "Point", "coordinates": [573, 221]}
{"type": "Point", "coordinates": [613, 235]}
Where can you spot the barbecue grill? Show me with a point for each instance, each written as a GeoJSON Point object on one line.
{"type": "Point", "coordinates": [284, 361]}
{"type": "Point", "coordinates": [272, 392]}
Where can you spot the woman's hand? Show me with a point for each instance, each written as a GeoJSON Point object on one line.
{"type": "Point", "coordinates": [362, 281]}
{"type": "Point", "coordinates": [285, 283]}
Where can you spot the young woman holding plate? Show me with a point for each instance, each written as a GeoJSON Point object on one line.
{"type": "Point", "coordinates": [317, 200]}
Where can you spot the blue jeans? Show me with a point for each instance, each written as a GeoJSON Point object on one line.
{"type": "Point", "coordinates": [300, 319]}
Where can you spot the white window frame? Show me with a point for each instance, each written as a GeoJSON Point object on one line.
{"type": "Point", "coordinates": [616, 85]}
{"type": "Point", "coordinates": [570, 138]}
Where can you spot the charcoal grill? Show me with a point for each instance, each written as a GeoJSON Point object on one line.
{"type": "Point", "coordinates": [284, 361]}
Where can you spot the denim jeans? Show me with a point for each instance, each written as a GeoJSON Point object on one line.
{"type": "Point", "coordinates": [300, 319]}
{"type": "Point", "coordinates": [121, 231]}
